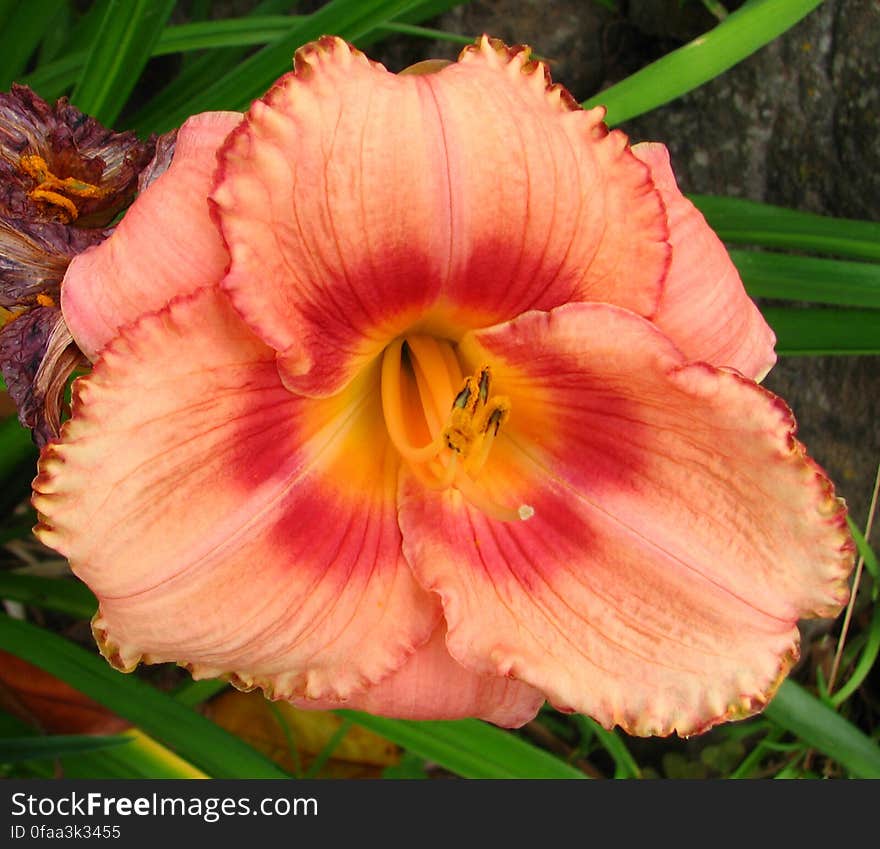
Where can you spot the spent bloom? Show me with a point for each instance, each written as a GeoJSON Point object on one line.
{"type": "Point", "coordinates": [428, 395]}
{"type": "Point", "coordinates": [63, 178]}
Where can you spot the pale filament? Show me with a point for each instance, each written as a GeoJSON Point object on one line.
{"type": "Point", "coordinates": [442, 424]}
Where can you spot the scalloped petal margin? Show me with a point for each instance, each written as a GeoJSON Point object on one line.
{"type": "Point", "coordinates": [166, 245]}
{"type": "Point", "coordinates": [704, 308]}
{"type": "Point", "coordinates": [226, 524]}
{"type": "Point", "coordinates": [356, 203]}
{"type": "Point", "coordinates": [679, 529]}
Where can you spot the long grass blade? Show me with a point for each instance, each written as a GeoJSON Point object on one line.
{"type": "Point", "coordinates": [186, 732]}
{"type": "Point", "coordinates": [746, 222]}
{"type": "Point", "coordinates": [118, 54]}
{"type": "Point", "coordinates": [814, 331]}
{"type": "Point", "coordinates": [865, 551]}
{"type": "Point", "coordinates": [752, 26]}
{"type": "Point", "coordinates": [816, 724]}
{"type": "Point", "coordinates": [468, 748]}
{"type": "Point", "coordinates": [53, 78]}
{"type": "Point", "coordinates": [17, 749]}
{"type": "Point", "coordinates": [193, 693]}
{"type": "Point", "coordinates": [264, 29]}
{"type": "Point", "coordinates": [136, 756]}
{"type": "Point", "coordinates": [865, 663]}
{"type": "Point", "coordinates": [231, 32]}
{"type": "Point", "coordinates": [250, 78]}
{"type": "Point", "coordinates": [140, 757]}
{"type": "Point", "coordinates": [175, 98]}
{"type": "Point", "coordinates": [625, 765]}
{"type": "Point", "coordinates": [24, 26]}
{"type": "Point", "coordinates": [798, 278]}
{"type": "Point", "coordinates": [58, 594]}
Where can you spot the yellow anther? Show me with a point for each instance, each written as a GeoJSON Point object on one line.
{"type": "Point", "coordinates": [52, 189]}
{"type": "Point", "coordinates": [6, 316]}
{"type": "Point", "coordinates": [483, 384]}
{"type": "Point", "coordinates": [494, 415]}
{"type": "Point", "coordinates": [418, 376]}
{"type": "Point", "coordinates": [35, 166]}
{"type": "Point", "coordinates": [473, 415]}
{"type": "Point", "coordinates": [459, 433]}
{"type": "Point", "coordinates": [58, 200]}
{"type": "Point", "coordinates": [45, 300]}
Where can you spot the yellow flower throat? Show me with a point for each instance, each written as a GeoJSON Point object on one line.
{"type": "Point", "coordinates": [442, 423]}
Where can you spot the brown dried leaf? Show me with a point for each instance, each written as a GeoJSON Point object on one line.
{"type": "Point", "coordinates": [42, 700]}
{"type": "Point", "coordinates": [360, 753]}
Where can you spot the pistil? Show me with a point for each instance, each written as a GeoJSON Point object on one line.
{"type": "Point", "coordinates": [444, 435]}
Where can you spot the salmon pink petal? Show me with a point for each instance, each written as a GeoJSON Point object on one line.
{"type": "Point", "coordinates": [165, 246]}
{"type": "Point", "coordinates": [679, 529]}
{"type": "Point", "coordinates": [547, 206]}
{"type": "Point", "coordinates": [226, 524]}
{"type": "Point", "coordinates": [431, 685]}
{"type": "Point", "coordinates": [704, 308]}
{"type": "Point", "coordinates": [356, 203]}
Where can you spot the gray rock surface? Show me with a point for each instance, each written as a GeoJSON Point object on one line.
{"type": "Point", "coordinates": [796, 124]}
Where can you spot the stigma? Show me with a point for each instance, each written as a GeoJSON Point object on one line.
{"type": "Point", "coordinates": [442, 423]}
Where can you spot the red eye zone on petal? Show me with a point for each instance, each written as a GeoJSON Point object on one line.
{"type": "Point", "coordinates": [411, 409]}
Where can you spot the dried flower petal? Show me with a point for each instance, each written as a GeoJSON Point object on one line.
{"type": "Point", "coordinates": [34, 256]}
{"type": "Point", "coordinates": [57, 164]}
{"type": "Point", "coordinates": [37, 355]}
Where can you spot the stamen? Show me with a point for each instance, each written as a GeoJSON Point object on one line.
{"type": "Point", "coordinates": [50, 187]}
{"type": "Point", "coordinates": [8, 315]}
{"type": "Point", "coordinates": [432, 479]}
{"type": "Point", "coordinates": [484, 384]}
{"type": "Point", "coordinates": [39, 193]}
{"type": "Point", "coordinates": [417, 386]}
{"type": "Point", "coordinates": [493, 417]}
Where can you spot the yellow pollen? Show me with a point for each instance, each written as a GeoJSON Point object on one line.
{"type": "Point", "coordinates": [45, 300]}
{"type": "Point", "coordinates": [444, 435]}
{"type": "Point", "coordinates": [52, 189]}
{"type": "Point", "coordinates": [6, 316]}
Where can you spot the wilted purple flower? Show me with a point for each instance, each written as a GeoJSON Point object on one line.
{"type": "Point", "coordinates": [63, 179]}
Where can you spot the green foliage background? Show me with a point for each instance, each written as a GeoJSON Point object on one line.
{"type": "Point", "coordinates": [98, 54]}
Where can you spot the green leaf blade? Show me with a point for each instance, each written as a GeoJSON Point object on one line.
{"type": "Point", "coordinates": [58, 594]}
{"type": "Point", "coordinates": [748, 29]}
{"type": "Point", "coordinates": [119, 52]}
{"type": "Point", "coordinates": [797, 278]}
{"type": "Point", "coordinates": [192, 736]}
{"type": "Point", "coordinates": [18, 749]}
{"type": "Point", "coordinates": [236, 89]}
{"type": "Point", "coordinates": [795, 710]}
{"type": "Point", "coordinates": [24, 26]}
{"type": "Point", "coordinates": [468, 747]}
{"type": "Point", "coordinates": [818, 331]}
{"type": "Point", "coordinates": [746, 222]}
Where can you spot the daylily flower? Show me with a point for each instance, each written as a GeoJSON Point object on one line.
{"type": "Point", "coordinates": [430, 396]}
{"type": "Point", "coordinates": [63, 177]}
